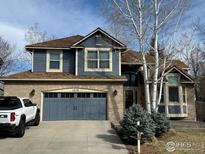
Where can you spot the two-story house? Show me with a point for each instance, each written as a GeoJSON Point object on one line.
{"type": "Point", "coordinates": [95, 77]}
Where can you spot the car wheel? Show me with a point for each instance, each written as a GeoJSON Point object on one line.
{"type": "Point", "coordinates": [20, 131]}
{"type": "Point", "coordinates": [37, 119]}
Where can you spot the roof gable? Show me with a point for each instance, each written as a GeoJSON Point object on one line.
{"type": "Point", "coordinates": [105, 34]}
{"type": "Point", "coordinates": [183, 73]}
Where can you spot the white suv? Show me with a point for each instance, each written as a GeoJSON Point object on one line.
{"type": "Point", "coordinates": [16, 113]}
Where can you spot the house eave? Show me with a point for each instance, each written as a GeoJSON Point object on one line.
{"type": "Point", "coordinates": [69, 80]}
{"type": "Point", "coordinates": [27, 48]}
{"type": "Point", "coordinates": [81, 47]}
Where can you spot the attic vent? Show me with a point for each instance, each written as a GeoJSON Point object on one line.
{"type": "Point", "coordinates": [97, 36]}
{"type": "Point", "coordinates": [98, 44]}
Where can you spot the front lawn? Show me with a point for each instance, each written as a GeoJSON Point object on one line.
{"type": "Point", "coordinates": [185, 141]}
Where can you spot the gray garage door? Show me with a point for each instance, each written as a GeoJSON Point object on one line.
{"type": "Point", "coordinates": [74, 106]}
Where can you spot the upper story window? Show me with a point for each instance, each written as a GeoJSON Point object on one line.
{"type": "Point", "coordinates": [98, 59]}
{"type": "Point", "coordinates": [54, 61]}
{"type": "Point", "coordinates": [132, 79]}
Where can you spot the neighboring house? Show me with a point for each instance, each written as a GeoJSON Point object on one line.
{"type": "Point", "coordinates": [200, 103]}
{"type": "Point", "coordinates": [95, 77]}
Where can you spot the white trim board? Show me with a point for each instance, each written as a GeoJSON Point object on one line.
{"type": "Point", "coordinates": [86, 69]}
{"type": "Point", "coordinates": [120, 73]}
{"type": "Point", "coordinates": [48, 62]}
{"type": "Point", "coordinates": [74, 90]}
{"type": "Point", "coordinates": [76, 62]}
{"type": "Point", "coordinates": [32, 60]}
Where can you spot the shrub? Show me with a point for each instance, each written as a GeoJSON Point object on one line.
{"type": "Point", "coordinates": [129, 123]}
{"type": "Point", "coordinates": [162, 123]}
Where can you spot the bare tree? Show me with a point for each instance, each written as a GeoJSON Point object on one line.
{"type": "Point", "coordinates": [114, 26]}
{"type": "Point", "coordinates": [148, 19]}
{"type": "Point", "coordinates": [6, 59]}
{"type": "Point", "coordinates": [36, 35]}
{"type": "Point", "coordinates": [192, 52]}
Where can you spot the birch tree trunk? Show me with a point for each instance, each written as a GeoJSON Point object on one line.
{"type": "Point", "coordinates": [141, 46]}
{"type": "Point", "coordinates": [137, 13]}
{"type": "Point", "coordinates": [156, 55]}
{"type": "Point", "coordinates": [140, 35]}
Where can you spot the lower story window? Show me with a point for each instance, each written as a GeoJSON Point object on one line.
{"type": "Point", "coordinates": [83, 95]}
{"type": "Point", "coordinates": [67, 95]}
{"type": "Point", "coordinates": [99, 95]}
{"type": "Point", "coordinates": [51, 95]}
{"type": "Point", "coordinates": [175, 104]}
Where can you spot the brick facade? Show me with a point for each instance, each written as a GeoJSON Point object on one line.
{"type": "Point", "coordinates": [115, 104]}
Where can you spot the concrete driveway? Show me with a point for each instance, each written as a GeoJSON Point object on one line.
{"type": "Point", "coordinates": [65, 137]}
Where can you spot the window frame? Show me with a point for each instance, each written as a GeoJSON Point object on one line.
{"type": "Point", "coordinates": [180, 103]}
{"type": "Point", "coordinates": [174, 102]}
{"type": "Point", "coordinates": [98, 69]}
{"type": "Point", "coordinates": [182, 91]}
{"type": "Point", "coordinates": [48, 57]}
{"type": "Point", "coordinates": [129, 82]}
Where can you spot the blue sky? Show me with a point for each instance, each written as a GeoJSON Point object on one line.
{"type": "Point", "coordinates": [61, 17]}
{"type": "Point", "coordinates": [58, 17]}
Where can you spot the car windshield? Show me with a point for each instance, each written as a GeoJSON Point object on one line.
{"type": "Point", "coordinates": [9, 103]}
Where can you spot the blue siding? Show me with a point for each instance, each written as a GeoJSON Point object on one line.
{"type": "Point", "coordinates": [101, 41]}
{"type": "Point", "coordinates": [97, 40]}
{"type": "Point", "coordinates": [69, 61]}
{"type": "Point", "coordinates": [115, 65]}
{"type": "Point", "coordinates": [39, 60]}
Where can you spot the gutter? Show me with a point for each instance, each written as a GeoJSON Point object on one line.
{"type": "Point", "coordinates": [69, 80]}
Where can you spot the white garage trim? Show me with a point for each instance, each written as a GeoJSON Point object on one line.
{"type": "Point", "coordinates": [41, 112]}
{"type": "Point", "coordinates": [75, 90]}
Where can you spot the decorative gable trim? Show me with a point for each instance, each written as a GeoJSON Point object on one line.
{"type": "Point", "coordinates": [103, 32]}
{"type": "Point", "coordinates": [181, 72]}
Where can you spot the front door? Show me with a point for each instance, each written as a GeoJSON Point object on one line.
{"type": "Point", "coordinates": [130, 97]}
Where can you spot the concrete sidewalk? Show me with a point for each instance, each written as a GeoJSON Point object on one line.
{"type": "Point", "coordinates": [66, 137]}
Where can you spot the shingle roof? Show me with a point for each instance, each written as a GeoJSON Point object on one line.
{"type": "Point", "coordinates": [133, 57]}
{"type": "Point", "coordinates": [66, 42]}
{"type": "Point", "coordinates": [28, 75]}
